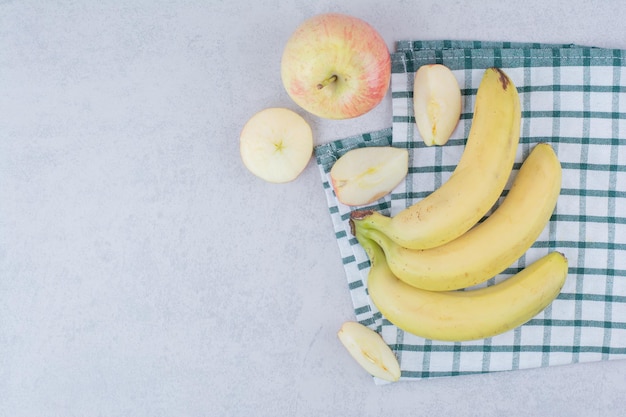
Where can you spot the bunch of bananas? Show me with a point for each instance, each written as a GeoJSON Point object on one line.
{"type": "Point", "coordinates": [425, 258]}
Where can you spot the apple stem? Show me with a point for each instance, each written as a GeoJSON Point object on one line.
{"type": "Point", "coordinates": [327, 81]}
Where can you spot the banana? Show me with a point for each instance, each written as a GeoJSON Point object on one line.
{"type": "Point", "coordinates": [464, 315]}
{"type": "Point", "coordinates": [491, 246]}
{"type": "Point", "coordinates": [477, 181]}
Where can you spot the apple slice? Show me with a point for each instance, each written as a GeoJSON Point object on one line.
{"type": "Point", "coordinates": [363, 175]}
{"type": "Point", "coordinates": [276, 144]}
{"type": "Point", "coordinates": [437, 103]}
{"type": "Point", "coordinates": [369, 350]}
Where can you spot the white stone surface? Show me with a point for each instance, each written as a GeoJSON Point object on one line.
{"type": "Point", "coordinates": [145, 272]}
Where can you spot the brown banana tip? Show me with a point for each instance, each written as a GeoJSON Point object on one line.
{"type": "Point", "coordinates": [360, 214]}
{"type": "Point", "coordinates": [504, 79]}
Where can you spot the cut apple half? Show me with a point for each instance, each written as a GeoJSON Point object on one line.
{"type": "Point", "coordinates": [437, 103]}
{"type": "Point", "coordinates": [276, 144]}
{"type": "Point", "coordinates": [363, 175]}
{"type": "Point", "coordinates": [370, 351]}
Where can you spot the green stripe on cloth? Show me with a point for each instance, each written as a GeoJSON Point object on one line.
{"type": "Point", "coordinates": [407, 45]}
{"type": "Point", "coordinates": [574, 98]}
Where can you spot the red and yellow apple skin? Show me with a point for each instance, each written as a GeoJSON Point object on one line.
{"type": "Point", "coordinates": [336, 66]}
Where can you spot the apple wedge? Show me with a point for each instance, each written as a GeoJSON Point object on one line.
{"type": "Point", "coordinates": [363, 175]}
{"type": "Point", "coordinates": [437, 103]}
{"type": "Point", "coordinates": [276, 144]}
{"type": "Point", "coordinates": [369, 350]}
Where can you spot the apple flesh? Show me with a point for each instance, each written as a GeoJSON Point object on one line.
{"type": "Point", "coordinates": [437, 103]}
{"type": "Point", "coordinates": [363, 175]}
{"type": "Point", "coordinates": [336, 66]}
{"type": "Point", "coordinates": [276, 144]}
{"type": "Point", "coordinates": [369, 350]}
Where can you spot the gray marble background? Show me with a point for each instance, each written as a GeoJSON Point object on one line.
{"type": "Point", "coordinates": [145, 272]}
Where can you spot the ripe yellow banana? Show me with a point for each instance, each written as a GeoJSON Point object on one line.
{"type": "Point", "coordinates": [477, 181]}
{"type": "Point", "coordinates": [464, 315]}
{"type": "Point", "coordinates": [491, 246]}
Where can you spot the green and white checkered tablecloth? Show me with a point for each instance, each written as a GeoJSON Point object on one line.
{"type": "Point", "coordinates": [573, 97]}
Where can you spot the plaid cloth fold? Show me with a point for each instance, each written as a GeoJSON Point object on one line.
{"type": "Point", "coordinates": [572, 97]}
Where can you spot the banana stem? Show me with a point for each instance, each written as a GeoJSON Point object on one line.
{"type": "Point", "coordinates": [358, 215]}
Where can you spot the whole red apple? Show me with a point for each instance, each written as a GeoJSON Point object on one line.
{"type": "Point", "coordinates": [336, 66]}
